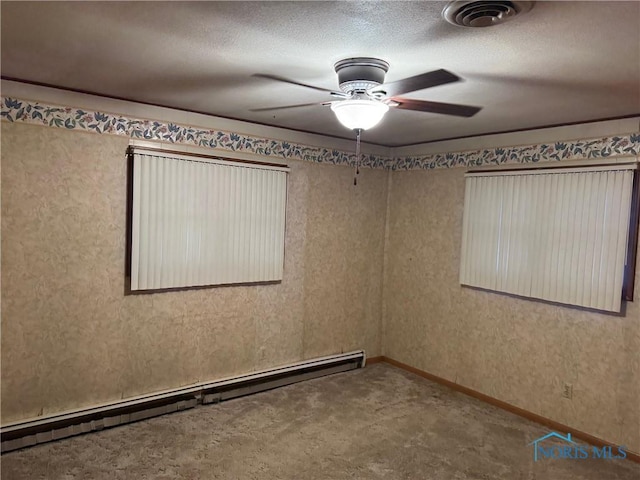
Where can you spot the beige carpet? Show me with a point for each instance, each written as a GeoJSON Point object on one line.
{"type": "Point", "coordinates": [376, 423]}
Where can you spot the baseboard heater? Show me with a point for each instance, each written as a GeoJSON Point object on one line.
{"type": "Point", "coordinates": [30, 432]}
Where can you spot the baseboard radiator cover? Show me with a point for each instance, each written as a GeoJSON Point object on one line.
{"type": "Point", "coordinates": [38, 430]}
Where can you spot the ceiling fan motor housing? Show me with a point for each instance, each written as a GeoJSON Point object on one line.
{"type": "Point", "coordinates": [357, 75]}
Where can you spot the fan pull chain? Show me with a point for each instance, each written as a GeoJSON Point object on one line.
{"type": "Point", "coordinates": [355, 177]}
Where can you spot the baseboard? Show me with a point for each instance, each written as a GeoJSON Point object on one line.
{"type": "Point", "coordinates": [372, 360]}
{"type": "Point", "coordinates": [25, 433]}
{"type": "Point", "coordinates": [521, 412]}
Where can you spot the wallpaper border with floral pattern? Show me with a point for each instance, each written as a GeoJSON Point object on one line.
{"type": "Point", "coordinates": [627, 145]}
{"type": "Point", "coordinates": [16, 110]}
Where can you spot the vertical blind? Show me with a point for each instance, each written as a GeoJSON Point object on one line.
{"type": "Point", "coordinates": [556, 235]}
{"type": "Point", "coordinates": [198, 222]}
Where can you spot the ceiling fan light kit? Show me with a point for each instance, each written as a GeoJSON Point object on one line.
{"type": "Point", "coordinates": [356, 77]}
{"type": "Point", "coordinates": [359, 114]}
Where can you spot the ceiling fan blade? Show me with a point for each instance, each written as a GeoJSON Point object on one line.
{"type": "Point", "coordinates": [293, 82]}
{"type": "Point", "coordinates": [267, 109]}
{"type": "Point", "coordinates": [436, 107]}
{"type": "Point", "coordinates": [418, 82]}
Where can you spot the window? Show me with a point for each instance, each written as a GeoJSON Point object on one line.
{"type": "Point", "coordinates": [554, 234]}
{"type": "Point", "coordinates": [198, 221]}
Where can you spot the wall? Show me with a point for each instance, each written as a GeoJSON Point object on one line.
{"type": "Point", "coordinates": [516, 350]}
{"type": "Point", "coordinates": [71, 339]}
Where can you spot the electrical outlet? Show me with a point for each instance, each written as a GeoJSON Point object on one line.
{"type": "Point", "coordinates": [567, 391]}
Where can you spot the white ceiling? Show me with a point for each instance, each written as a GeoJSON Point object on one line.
{"type": "Point", "coordinates": [562, 62]}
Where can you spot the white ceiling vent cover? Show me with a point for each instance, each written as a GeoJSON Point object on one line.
{"type": "Point", "coordinates": [483, 13]}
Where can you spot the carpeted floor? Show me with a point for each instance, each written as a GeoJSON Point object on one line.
{"type": "Point", "coordinates": [375, 423]}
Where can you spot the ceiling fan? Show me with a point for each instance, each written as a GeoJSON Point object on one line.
{"type": "Point", "coordinates": [364, 98]}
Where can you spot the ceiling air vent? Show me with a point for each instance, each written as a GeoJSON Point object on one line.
{"type": "Point", "coordinates": [483, 13]}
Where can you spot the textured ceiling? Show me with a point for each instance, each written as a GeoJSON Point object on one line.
{"type": "Point", "coordinates": [563, 62]}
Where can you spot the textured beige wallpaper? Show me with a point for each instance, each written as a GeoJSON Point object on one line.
{"type": "Point", "coordinates": [516, 350]}
{"type": "Point", "coordinates": [344, 267]}
{"type": "Point", "coordinates": [70, 338]}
